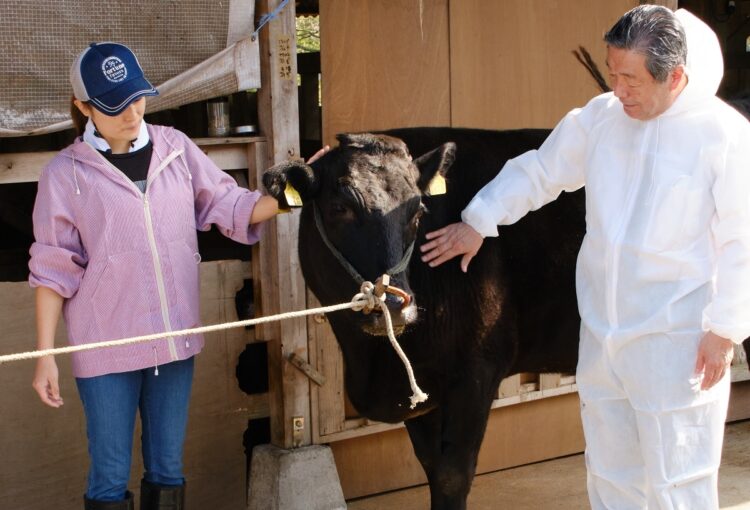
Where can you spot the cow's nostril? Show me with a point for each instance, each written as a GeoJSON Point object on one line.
{"type": "Point", "coordinates": [405, 301]}
{"type": "Point", "coordinates": [398, 297]}
{"type": "Point", "coordinates": [398, 302]}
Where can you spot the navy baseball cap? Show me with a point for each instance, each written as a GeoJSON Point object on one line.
{"type": "Point", "coordinates": [109, 77]}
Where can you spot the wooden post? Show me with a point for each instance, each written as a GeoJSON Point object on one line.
{"type": "Point", "coordinates": [279, 276]}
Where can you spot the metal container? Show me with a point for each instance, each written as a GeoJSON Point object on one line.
{"type": "Point", "coordinates": [246, 130]}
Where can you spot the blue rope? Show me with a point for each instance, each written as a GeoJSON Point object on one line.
{"type": "Point", "coordinates": [268, 17]}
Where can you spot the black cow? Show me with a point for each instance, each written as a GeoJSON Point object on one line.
{"type": "Point", "coordinates": [514, 311]}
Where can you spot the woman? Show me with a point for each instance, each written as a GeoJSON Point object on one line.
{"type": "Point", "coordinates": [116, 252]}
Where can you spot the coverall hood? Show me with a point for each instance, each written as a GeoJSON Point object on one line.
{"type": "Point", "coordinates": [705, 64]}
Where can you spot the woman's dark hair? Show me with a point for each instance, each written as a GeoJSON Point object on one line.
{"type": "Point", "coordinates": [654, 32]}
{"type": "Point", "coordinates": [78, 118]}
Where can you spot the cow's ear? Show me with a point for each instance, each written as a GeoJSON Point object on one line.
{"type": "Point", "coordinates": [297, 173]}
{"type": "Point", "coordinates": [435, 162]}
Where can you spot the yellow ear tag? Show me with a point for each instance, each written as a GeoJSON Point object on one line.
{"type": "Point", "coordinates": [292, 199]}
{"type": "Point", "coordinates": [437, 186]}
{"type": "Point", "coordinates": [292, 196]}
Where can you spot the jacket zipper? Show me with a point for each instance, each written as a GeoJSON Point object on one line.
{"type": "Point", "coordinates": [614, 255]}
{"type": "Point", "coordinates": [159, 275]}
{"type": "Point", "coordinates": [152, 240]}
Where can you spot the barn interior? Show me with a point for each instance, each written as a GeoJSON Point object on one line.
{"type": "Point", "coordinates": [379, 64]}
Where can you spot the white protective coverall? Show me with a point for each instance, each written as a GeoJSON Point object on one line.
{"type": "Point", "coordinates": [666, 257]}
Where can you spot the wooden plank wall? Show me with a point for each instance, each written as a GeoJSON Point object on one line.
{"type": "Point", "coordinates": [44, 460]}
{"type": "Point", "coordinates": [328, 402]}
{"type": "Point", "coordinates": [467, 63]}
{"type": "Point", "coordinates": [384, 65]}
{"type": "Point", "coordinates": [514, 68]}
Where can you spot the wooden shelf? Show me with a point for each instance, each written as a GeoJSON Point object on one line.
{"type": "Point", "coordinates": [228, 153]}
{"type": "Point", "coordinates": [228, 140]}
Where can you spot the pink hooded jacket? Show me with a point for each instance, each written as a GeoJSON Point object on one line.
{"type": "Point", "coordinates": [127, 261]}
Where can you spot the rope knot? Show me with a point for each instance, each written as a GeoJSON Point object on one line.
{"type": "Point", "coordinates": [366, 300]}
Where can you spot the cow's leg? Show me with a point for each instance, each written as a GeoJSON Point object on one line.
{"type": "Point", "coordinates": [448, 483]}
{"type": "Point", "coordinates": [425, 433]}
{"type": "Point", "coordinates": [447, 441]}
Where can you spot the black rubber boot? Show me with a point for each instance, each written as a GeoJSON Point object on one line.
{"type": "Point", "coordinates": [125, 504]}
{"type": "Point", "coordinates": [162, 497]}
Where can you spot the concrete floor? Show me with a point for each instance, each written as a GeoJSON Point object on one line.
{"type": "Point", "coordinates": [561, 484]}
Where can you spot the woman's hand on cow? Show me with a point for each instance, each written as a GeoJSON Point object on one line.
{"type": "Point", "coordinates": [451, 241]}
{"type": "Point", "coordinates": [714, 358]}
{"type": "Point", "coordinates": [265, 208]}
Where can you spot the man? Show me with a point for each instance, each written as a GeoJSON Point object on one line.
{"type": "Point", "coordinates": [663, 277]}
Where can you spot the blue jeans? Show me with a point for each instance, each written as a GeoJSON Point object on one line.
{"type": "Point", "coordinates": [110, 403]}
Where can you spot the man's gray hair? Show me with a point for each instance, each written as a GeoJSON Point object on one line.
{"type": "Point", "coordinates": [654, 32]}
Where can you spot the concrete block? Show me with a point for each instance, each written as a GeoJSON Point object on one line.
{"type": "Point", "coordinates": [299, 479]}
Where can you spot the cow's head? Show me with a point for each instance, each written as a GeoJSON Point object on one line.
{"type": "Point", "coordinates": [367, 196]}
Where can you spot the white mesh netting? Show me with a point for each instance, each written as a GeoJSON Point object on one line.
{"type": "Point", "coordinates": [180, 44]}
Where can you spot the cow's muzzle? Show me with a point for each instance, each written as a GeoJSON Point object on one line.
{"type": "Point", "coordinates": [400, 306]}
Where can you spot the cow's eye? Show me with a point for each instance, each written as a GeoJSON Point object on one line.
{"type": "Point", "coordinates": [417, 216]}
{"type": "Point", "coordinates": [339, 210]}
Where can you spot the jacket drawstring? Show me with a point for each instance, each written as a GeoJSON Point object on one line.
{"type": "Point", "coordinates": [156, 362]}
{"type": "Point", "coordinates": [75, 175]}
{"type": "Point", "coordinates": [184, 163]}
{"type": "Point", "coordinates": [181, 153]}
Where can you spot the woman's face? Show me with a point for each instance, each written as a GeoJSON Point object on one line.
{"type": "Point", "coordinates": [119, 130]}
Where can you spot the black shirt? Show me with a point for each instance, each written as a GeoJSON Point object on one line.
{"type": "Point", "coordinates": [133, 164]}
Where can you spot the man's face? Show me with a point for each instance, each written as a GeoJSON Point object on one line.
{"type": "Point", "coordinates": [642, 97]}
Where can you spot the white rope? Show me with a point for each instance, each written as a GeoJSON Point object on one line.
{"type": "Point", "coordinates": [179, 333]}
{"type": "Point", "coordinates": [367, 295]}
{"type": "Point", "coordinates": [365, 300]}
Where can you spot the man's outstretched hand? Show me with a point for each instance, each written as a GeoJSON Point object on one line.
{"type": "Point", "coordinates": [451, 241]}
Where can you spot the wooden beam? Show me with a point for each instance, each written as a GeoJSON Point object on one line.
{"type": "Point", "coordinates": [23, 166]}
{"type": "Point", "coordinates": [228, 153]}
{"type": "Point", "coordinates": [307, 369]}
{"type": "Point", "coordinates": [282, 286]}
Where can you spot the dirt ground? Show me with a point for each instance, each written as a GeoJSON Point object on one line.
{"type": "Point", "coordinates": [560, 484]}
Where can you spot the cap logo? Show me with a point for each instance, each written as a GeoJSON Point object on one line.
{"type": "Point", "coordinates": [114, 69]}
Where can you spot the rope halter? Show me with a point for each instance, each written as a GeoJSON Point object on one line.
{"type": "Point", "coordinates": [397, 269]}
